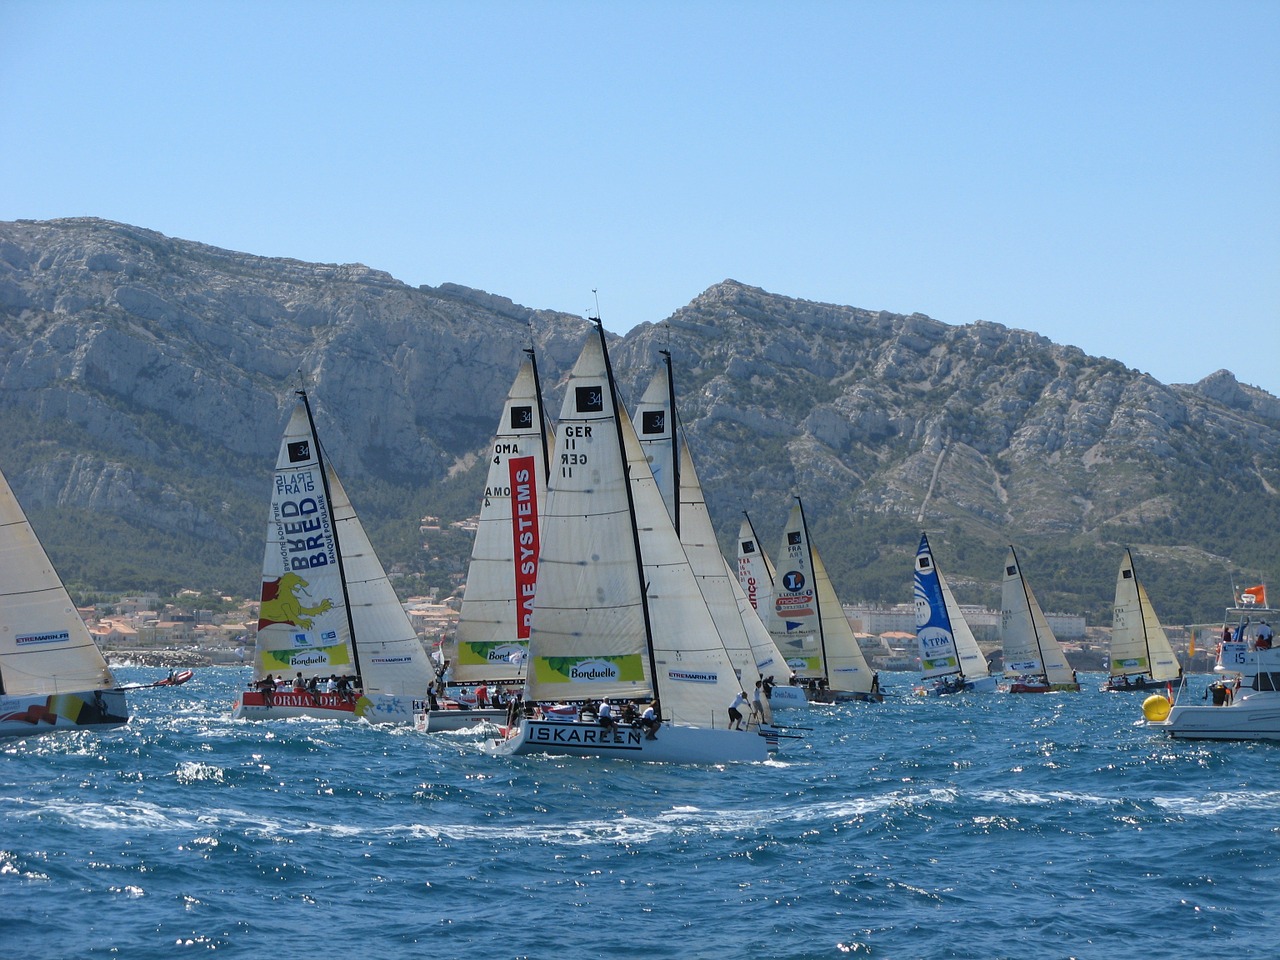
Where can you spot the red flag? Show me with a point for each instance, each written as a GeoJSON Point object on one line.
{"type": "Point", "coordinates": [1254, 596]}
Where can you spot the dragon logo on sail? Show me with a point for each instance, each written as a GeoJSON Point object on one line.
{"type": "Point", "coordinates": [281, 603]}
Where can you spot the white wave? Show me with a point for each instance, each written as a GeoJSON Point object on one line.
{"type": "Point", "coordinates": [193, 772]}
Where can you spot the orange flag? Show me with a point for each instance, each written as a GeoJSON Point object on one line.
{"type": "Point", "coordinates": [1254, 596]}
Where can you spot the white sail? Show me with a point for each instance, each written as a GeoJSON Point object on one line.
{"type": "Point", "coordinates": [1030, 647]}
{"type": "Point", "coordinates": [497, 606]}
{"type": "Point", "coordinates": [302, 621]}
{"type": "Point", "coordinates": [793, 620]}
{"type": "Point", "coordinates": [392, 660]}
{"type": "Point", "coordinates": [657, 423]}
{"type": "Point", "coordinates": [755, 570]}
{"type": "Point", "coordinates": [696, 678]}
{"type": "Point", "coordinates": [618, 611]}
{"type": "Point", "coordinates": [755, 582]}
{"type": "Point", "coordinates": [947, 645]}
{"type": "Point", "coordinates": [315, 594]}
{"type": "Point", "coordinates": [808, 622]}
{"type": "Point", "coordinates": [847, 668]}
{"type": "Point", "coordinates": [589, 636]}
{"type": "Point", "coordinates": [1138, 642]}
{"type": "Point", "coordinates": [45, 647]}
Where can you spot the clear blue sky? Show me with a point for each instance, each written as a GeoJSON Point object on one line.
{"type": "Point", "coordinates": [1106, 174]}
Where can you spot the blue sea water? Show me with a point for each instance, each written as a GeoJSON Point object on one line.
{"type": "Point", "coordinates": [997, 826]}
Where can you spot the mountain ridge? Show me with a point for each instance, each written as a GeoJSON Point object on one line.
{"type": "Point", "coordinates": [144, 381]}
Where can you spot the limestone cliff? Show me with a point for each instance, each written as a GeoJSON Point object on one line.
{"type": "Point", "coordinates": [144, 381]}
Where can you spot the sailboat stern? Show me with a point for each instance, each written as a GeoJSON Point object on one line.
{"type": "Point", "coordinates": [22, 716]}
{"type": "Point", "coordinates": [288, 705]}
{"type": "Point", "coordinates": [672, 743]}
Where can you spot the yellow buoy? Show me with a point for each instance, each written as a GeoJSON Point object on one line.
{"type": "Point", "coordinates": [1156, 708]}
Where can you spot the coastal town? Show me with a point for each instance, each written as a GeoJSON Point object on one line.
{"type": "Point", "coordinates": [186, 631]}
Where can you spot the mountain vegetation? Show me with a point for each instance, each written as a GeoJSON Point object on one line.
{"type": "Point", "coordinates": [144, 382]}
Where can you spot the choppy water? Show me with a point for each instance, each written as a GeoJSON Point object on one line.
{"type": "Point", "coordinates": [1000, 826]}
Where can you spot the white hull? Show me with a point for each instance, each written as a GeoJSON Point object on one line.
{"type": "Point", "coordinates": [788, 698]}
{"type": "Point", "coordinates": [435, 721]}
{"type": "Point", "coordinates": [325, 706]}
{"type": "Point", "coordinates": [31, 715]}
{"type": "Point", "coordinates": [1255, 716]}
{"type": "Point", "coordinates": [673, 744]}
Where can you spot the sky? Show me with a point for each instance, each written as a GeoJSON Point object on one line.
{"type": "Point", "coordinates": [1106, 174]}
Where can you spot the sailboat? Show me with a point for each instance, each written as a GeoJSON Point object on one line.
{"type": "Point", "coordinates": [949, 655]}
{"type": "Point", "coordinates": [618, 612]}
{"type": "Point", "coordinates": [1030, 648]}
{"type": "Point", "coordinates": [328, 609]}
{"type": "Point", "coordinates": [1141, 655]}
{"type": "Point", "coordinates": [809, 625]}
{"type": "Point", "coordinates": [497, 605]}
{"type": "Point", "coordinates": [750, 647]}
{"type": "Point", "coordinates": [52, 675]}
{"type": "Point", "coordinates": [755, 580]}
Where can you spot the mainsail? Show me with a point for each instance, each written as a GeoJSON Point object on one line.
{"type": "Point", "coordinates": [847, 668]}
{"type": "Point", "coordinates": [755, 570]}
{"type": "Point", "coordinates": [617, 612]}
{"type": "Point", "coordinates": [327, 605]}
{"type": "Point", "coordinates": [1030, 648]}
{"type": "Point", "coordinates": [497, 606]}
{"type": "Point", "coordinates": [755, 585]}
{"type": "Point", "coordinates": [672, 467]}
{"type": "Point", "coordinates": [1138, 642]}
{"type": "Point", "coordinates": [947, 645]}
{"type": "Point", "coordinates": [45, 647]}
{"type": "Point", "coordinates": [808, 622]}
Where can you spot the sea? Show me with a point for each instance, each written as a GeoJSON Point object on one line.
{"type": "Point", "coordinates": [1036, 826]}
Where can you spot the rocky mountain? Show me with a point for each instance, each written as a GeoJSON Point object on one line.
{"type": "Point", "coordinates": [144, 382]}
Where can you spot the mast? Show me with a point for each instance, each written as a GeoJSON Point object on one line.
{"type": "Point", "coordinates": [1142, 616]}
{"type": "Point", "coordinates": [817, 602]}
{"type": "Point", "coordinates": [618, 413]}
{"type": "Point", "coordinates": [542, 419]}
{"type": "Point", "coordinates": [1142, 613]}
{"type": "Point", "coordinates": [337, 543]}
{"type": "Point", "coordinates": [675, 443]}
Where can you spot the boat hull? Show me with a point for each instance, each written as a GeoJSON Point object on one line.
{"type": "Point", "coordinates": [788, 698]}
{"type": "Point", "coordinates": [1252, 717]}
{"type": "Point", "coordinates": [435, 721]}
{"type": "Point", "coordinates": [1025, 686]}
{"type": "Point", "coordinates": [673, 744]}
{"type": "Point", "coordinates": [287, 705]}
{"type": "Point", "coordinates": [844, 696]}
{"type": "Point", "coordinates": [1140, 685]}
{"type": "Point", "coordinates": [25, 716]}
{"type": "Point", "coordinates": [980, 685]}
